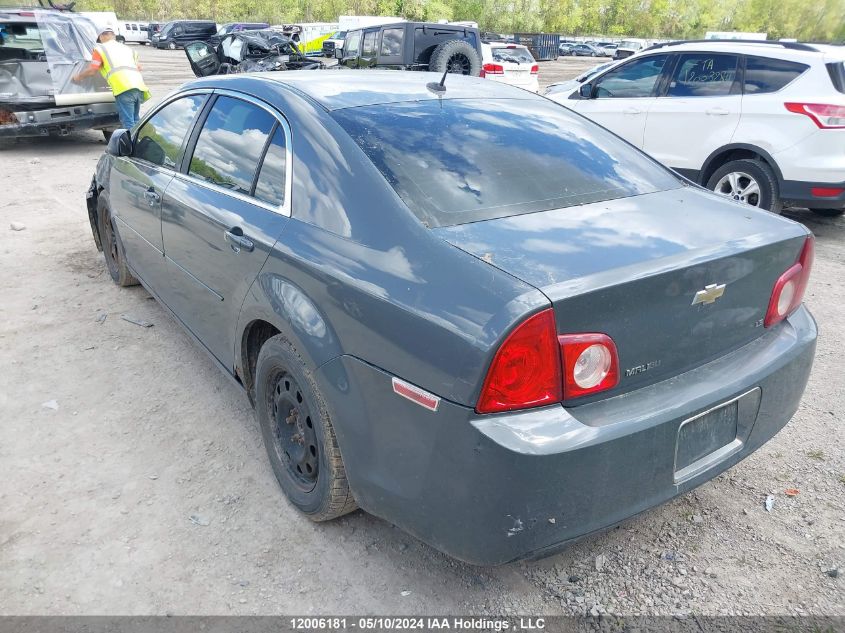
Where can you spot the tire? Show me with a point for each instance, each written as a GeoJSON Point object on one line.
{"type": "Point", "coordinates": [121, 39]}
{"type": "Point", "coordinates": [767, 196]}
{"type": "Point", "coordinates": [828, 213]}
{"type": "Point", "coordinates": [112, 246]}
{"type": "Point", "coordinates": [298, 433]}
{"type": "Point", "coordinates": [457, 56]}
{"type": "Point", "coordinates": [172, 46]}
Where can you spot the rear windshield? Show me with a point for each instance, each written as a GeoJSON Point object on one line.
{"type": "Point", "coordinates": [518, 55]}
{"type": "Point", "coordinates": [458, 161]}
{"type": "Point", "coordinates": [836, 70]}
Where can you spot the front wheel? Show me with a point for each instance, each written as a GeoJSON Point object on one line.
{"type": "Point", "coordinates": [828, 213]}
{"type": "Point", "coordinates": [298, 433]}
{"type": "Point", "coordinates": [172, 46]}
{"type": "Point", "coordinates": [748, 181]}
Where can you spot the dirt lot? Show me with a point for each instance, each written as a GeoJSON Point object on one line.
{"type": "Point", "coordinates": [133, 479]}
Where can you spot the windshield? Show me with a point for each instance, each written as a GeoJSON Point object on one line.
{"type": "Point", "coordinates": [338, 35]}
{"type": "Point", "coordinates": [630, 45]}
{"type": "Point", "coordinates": [517, 55]}
{"type": "Point", "coordinates": [223, 30]}
{"type": "Point", "coordinates": [464, 160]}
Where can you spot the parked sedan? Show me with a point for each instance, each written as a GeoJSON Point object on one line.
{"type": "Point", "coordinates": [564, 49]}
{"type": "Point", "coordinates": [587, 50]}
{"type": "Point", "coordinates": [471, 312]}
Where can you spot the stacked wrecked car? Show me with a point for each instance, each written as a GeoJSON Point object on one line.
{"type": "Point", "coordinates": [248, 51]}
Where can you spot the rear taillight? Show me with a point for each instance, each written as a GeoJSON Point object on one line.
{"type": "Point", "coordinates": [825, 116]}
{"type": "Point", "coordinates": [525, 372]}
{"type": "Point", "coordinates": [788, 292]}
{"type": "Point", "coordinates": [590, 364]}
{"type": "Point", "coordinates": [535, 367]}
{"type": "Point", "coordinates": [492, 69]}
{"type": "Point", "coordinates": [535, 69]}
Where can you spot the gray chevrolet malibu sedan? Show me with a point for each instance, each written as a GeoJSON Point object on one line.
{"type": "Point", "coordinates": [473, 313]}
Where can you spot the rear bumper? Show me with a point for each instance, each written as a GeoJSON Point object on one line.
{"type": "Point", "coordinates": [489, 489]}
{"type": "Point", "coordinates": [806, 194]}
{"type": "Point", "coordinates": [62, 120]}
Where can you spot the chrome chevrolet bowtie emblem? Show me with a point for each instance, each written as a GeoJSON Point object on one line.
{"type": "Point", "coordinates": [709, 294]}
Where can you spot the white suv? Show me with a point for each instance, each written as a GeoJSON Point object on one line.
{"type": "Point", "coordinates": [760, 122]}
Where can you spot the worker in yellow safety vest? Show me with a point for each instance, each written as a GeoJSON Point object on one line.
{"type": "Point", "coordinates": [118, 64]}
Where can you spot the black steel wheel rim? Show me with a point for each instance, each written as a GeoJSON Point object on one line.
{"type": "Point", "coordinates": [294, 439]}
{"type": "Point", "coordinates": [110, 242]}
{"type": "Point", "coordinates": [459, 64]}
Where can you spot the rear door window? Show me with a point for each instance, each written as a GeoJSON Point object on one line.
{"type": "Point", "coordinates": [159, 140]}
{"type": "Point", "coordinates": [465, 160]}
{"type": "Point", "coordinates": [703, 75]}
{"type": "Point", "coordinates": [225, 152]}
{"type": "Point", "coordinates": [764, 74]}
{"type": "Point", "coordinates": [369, 48]}
{"type": "Point", "coordinates": [636, 79]}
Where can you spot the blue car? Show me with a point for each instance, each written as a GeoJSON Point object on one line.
{"type": "Point", "coordinates": [455, 304]}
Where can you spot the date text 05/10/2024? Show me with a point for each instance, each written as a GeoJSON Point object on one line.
{"type": "Point", "coordinates": [410, 623]}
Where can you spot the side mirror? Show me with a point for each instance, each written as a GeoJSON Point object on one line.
{"type": "Point", "coordinates": [586, 91]}
{"type": "Point", "coordinates": [120, 143]}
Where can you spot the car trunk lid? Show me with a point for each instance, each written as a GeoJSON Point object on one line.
{"type": "Point", "coordinates": [632, 268]}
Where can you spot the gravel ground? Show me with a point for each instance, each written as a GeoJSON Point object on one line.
{"type": "Point", "coordinates": [133, 479]}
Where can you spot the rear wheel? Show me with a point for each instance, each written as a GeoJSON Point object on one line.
{"type": "Point", "coordinates": [455, 56]}
{"type": "Point", "coordinates": [172, 46]}
{"type": "Point", "coordinates": [828, 213]}
{"type": "Point", "coordinates": [121, 39]}
{"type": "Point", "coordinates": [298, 433]}
{"type": "Point", "coordinates": [112, 246]}
{"type": "Point", "coordinates": [749, 181]}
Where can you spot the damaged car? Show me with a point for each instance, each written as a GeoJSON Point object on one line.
{"type": "Point", "coordinates": [469, 311]}
{"type": "Point", "coordinates": [248, 51]}
{"type": "Point", "coordinates": [40, 50]}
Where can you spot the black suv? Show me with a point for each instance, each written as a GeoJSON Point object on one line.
{"type": "Point", "coordinates": [415, 46]}
{"type": "Point", "coordinates": [177, 33]}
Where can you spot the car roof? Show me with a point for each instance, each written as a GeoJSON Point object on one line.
{"type": "Point", "coordinates": [337, 89]}
{"type": "Point", "coordinates": [772, 48]}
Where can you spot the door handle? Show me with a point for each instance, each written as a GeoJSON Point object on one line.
{"type": "Point", "coordinates": [632, 111]}
{"type": "Point", "coordinates": [717, 111]}
{"type": "Point", "coordinates": [152, 196]}
{"type": "Point", "coordinates": [238, 241]}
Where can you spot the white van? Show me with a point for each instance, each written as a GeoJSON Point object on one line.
{"type": "Point", "coordinates": [134, 32]}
